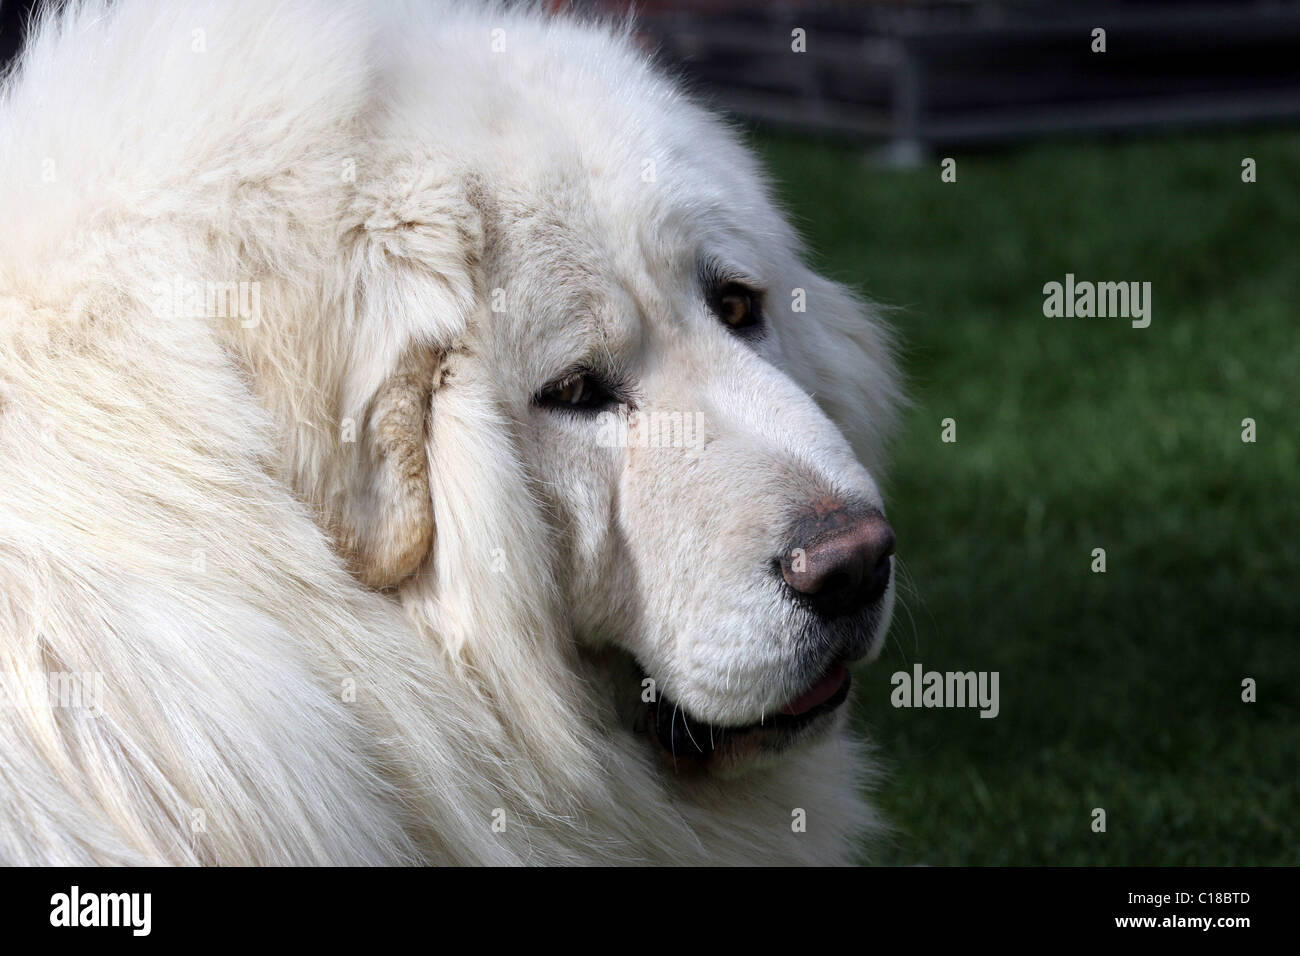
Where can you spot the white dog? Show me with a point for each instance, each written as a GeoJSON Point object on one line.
{"type": "Point", "coordinates": [420, 441]}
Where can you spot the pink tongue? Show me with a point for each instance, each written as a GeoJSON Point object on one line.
{"type": "Point", "coordinates": [818, 693]}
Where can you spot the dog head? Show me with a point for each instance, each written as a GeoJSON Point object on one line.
{"type": "Point", "coordinates": [596, 392]}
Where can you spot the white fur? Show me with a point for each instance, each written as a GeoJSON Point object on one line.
{"type": "Point", "coordinates": [181, 498]}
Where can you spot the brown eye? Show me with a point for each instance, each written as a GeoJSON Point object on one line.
{"type": "Point", "coordinates": [569, 392]}
{"type": "Point", "coordinates": [736, 310]}
{"type": "Point", "coordinates": [736, 307]}
{"type": "Point", "coordinates": [581, 392]}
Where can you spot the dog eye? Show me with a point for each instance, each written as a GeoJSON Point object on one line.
{"type": "Point", "coordinates": [580, 391]}
{"type": "Point", "coordinates": [736, 307]}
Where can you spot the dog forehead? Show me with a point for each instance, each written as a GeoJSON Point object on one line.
{"type": "Point", "coordinates": [570, 164]}
{"type": "Point", "coordinates": [564, 246]}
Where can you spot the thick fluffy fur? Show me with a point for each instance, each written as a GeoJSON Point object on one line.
{"type": "Point", "coordinates": [352, 597]}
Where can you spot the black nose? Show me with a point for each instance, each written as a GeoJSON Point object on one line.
{"type": "Point", "coordinates": [840, 561]}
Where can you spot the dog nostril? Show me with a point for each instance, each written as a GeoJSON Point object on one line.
{"type": "Point", "coordinates": [835, 585]}
{"type": "Point", "coordinates": [844, 566]}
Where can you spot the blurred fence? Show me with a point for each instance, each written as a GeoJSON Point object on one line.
{"type": "Point", "coordinates": [922, 74]}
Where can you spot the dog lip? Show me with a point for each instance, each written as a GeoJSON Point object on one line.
{"type": "Point", "coordinates": [683, 735]}
{"type": "Point", "coordinates": [819, 692]}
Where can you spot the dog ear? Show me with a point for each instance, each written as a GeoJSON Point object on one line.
{"type": "Point", "coordinates": [384, 528]}
{"type": "Point", "coordinates": [414, 251]}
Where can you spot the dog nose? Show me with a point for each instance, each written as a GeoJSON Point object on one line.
{"type": "Point", "coordinates": [840, 563]}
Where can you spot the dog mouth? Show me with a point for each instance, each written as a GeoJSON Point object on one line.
{"type": "Point", "coordinates": [685, 736]}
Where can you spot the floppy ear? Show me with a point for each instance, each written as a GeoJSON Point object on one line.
{"type": "Point", "coordinates": [385, 525]}
{"type": "Point", "coordinates": [413, 258]}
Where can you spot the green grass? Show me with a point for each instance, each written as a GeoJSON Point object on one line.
{"type": "Point", "coordinates": [1118, 690]}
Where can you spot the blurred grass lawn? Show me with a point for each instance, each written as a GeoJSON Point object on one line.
{"type": "Point", "coordinates": [1119, 690]}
